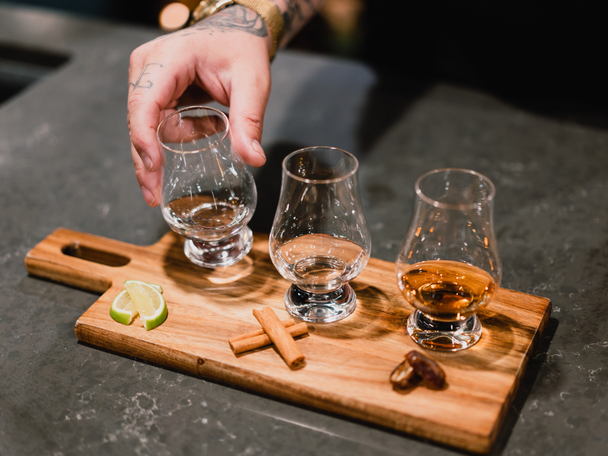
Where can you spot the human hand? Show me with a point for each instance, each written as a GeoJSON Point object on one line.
{"type": "Point", "coordinates": [222, 58]}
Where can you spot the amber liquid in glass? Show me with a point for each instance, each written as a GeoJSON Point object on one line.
{"type": "Point", "coordinates": [446, 290]}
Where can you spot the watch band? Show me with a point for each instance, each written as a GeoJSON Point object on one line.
{"type": "Point", "coordinates": [266, 9]}
{"type": "Point", "coordinates": [208, 7]}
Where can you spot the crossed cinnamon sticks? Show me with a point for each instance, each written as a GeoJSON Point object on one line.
{"type": "Point", "coordinates": [274, 331]}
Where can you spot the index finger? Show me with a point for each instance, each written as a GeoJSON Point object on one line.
{"type": "Point", "coordinates": [147, 98]}
{"type": "Point", "coordinates": [248, 100]}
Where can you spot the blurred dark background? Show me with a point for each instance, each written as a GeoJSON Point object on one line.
{"type": "Point", "coordinates": [536, 48]}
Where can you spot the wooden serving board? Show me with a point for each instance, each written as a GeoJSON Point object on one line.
{"type": "Point", "coordinates": [347, 363]}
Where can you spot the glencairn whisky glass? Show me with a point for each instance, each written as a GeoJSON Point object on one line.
{"type": "Point", "coordinates": [448, 267]}
{"type": "Point", "coordinates": [319, 239]}
{"type": "Point", "coordinates": [208, 194]}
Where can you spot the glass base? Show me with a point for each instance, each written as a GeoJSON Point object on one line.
{"type": "Point", "coordinates": [321, 307]}
{"type": "Point", "coordinates": [217, 254]}
{"type": "Point", "coordinates": [442, 335]}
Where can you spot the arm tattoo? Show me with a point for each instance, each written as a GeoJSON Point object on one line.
{"type": "Point", "coordinates": [294, 16]}
{"type": "Point", "coordinates": [139, 84]}
{"type": "Point", "coordinates": [234, 18]}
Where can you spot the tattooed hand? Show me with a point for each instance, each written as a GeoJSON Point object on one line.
{"type": "Point", "coordinates": [222, 58]}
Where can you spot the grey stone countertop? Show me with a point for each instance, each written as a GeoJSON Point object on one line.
{"type": "Point", "coordinates": [65, 162]}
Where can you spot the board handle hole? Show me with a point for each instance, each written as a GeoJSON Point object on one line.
{"type": "Point", "coordinates": [94, 255]}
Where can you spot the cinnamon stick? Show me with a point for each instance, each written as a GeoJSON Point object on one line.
{"type": "Point", "coordinates": [260, 332]}
{"type": "Point", "coordinates": [279, 336]}
{"type": "Point", "coordinates": [254, 339]}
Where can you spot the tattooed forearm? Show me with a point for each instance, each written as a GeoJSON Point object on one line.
{"type": "Point", "coordinates": [296, 13]}
{"type": "Point", "coordinates": [140, 83]}
{"type": "Point", "coordinates": [233, 18]}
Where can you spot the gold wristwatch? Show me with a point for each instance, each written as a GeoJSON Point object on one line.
{"type": "Point", "coordinates": [266, 9]}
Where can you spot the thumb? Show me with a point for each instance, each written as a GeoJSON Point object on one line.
{"type": "Point", "coordinates": [247, 106]}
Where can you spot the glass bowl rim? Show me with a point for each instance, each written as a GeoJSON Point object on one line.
{"type": "Point", "coordinates": [488, 199]}
{"type": "Point", "coordinates": [334, 180]}
{"type": "Point", "coordinates": [222, 114]}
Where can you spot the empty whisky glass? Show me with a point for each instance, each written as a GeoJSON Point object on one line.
{"type": "Point", "coordinates": [319, 239]}
{"type": "Point", "coordinates": [208, 194]}
{"type": "Point", "coordinates": [448, 267]}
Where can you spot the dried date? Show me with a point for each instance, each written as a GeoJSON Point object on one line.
{"type": "Point", "coordinates": [404, 376]}
{"type": "Point", "coordinates": [429, 370]}
{"type": "Point", "coordinates": [417, 368]}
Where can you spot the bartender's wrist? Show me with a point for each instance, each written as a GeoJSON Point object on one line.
{"type": "Point", "coordinates": [258, 17]}
{"type": "Point", "coordinates": [271, 18]}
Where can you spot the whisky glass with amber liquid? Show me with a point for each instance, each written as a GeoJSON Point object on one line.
{"type": "Point", "coordinates": [319, 239]}
{"type": "Point", "coordinates": [208, 194]}
{"type": "Point", "coordinates": [448, 267]}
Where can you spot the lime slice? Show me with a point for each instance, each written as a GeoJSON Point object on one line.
{"type": "Point", "coordinates": [123, 310]}
{"type": "Point", "coordinates": [158, 287]}
{"type": "Point", "coordinates": [149, 303]}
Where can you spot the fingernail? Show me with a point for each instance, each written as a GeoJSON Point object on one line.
{"type": "Point", "coordinates": [147, 162]}
{"type": "Point", "coordinates": [258, 148]}
{"type": "Point", "coordinates": [148, 196]}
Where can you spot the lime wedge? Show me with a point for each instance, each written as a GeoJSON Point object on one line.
{"type": "Point", "coordinates": [158, 287]}
{"type": "Point", "coordinates": [123, 310]}
{"type": "Point", "coordinates": [149, 303]}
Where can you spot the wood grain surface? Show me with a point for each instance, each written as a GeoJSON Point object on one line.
{"type": "Point", "coordinates": [348, 363]}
